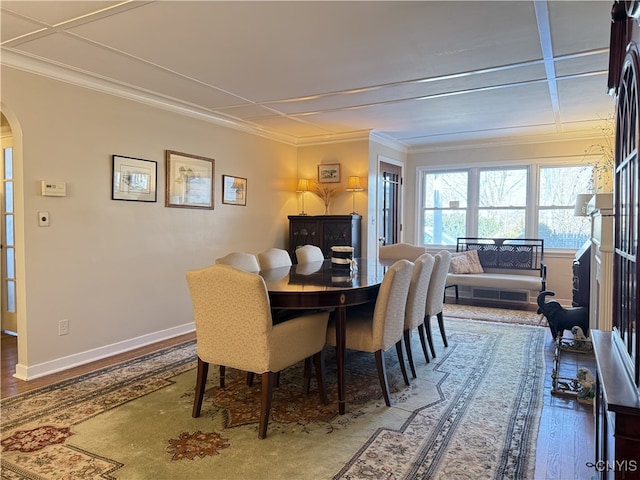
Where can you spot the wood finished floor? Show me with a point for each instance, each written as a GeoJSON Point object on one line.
{"type": "Point", "coordinates": [565, 439]}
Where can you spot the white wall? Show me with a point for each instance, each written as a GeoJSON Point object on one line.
{"type": "Point", "coordinates": [116, 269]}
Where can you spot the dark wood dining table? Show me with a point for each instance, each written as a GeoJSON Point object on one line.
{"type": "Point", "coordinates": [320, 285]}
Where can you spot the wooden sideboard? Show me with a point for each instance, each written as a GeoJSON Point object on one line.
{"type": "Point", "coordinates": [325, 231]}
{"type": "Point", "coordinates": [617, 410]}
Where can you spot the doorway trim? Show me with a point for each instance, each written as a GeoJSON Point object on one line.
{"type": "Point", "coordinates": [379, 186]}
{"type": "Point", "coordinates": [19, 225]}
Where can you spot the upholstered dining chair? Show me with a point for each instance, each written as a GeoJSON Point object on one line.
{"type": "Point", "coordinates": [234, 329]}
{"type": "Point", "coordinates": [435, 296]}
{"type": "Point", "coordinates": [309, 254]}
{"type": "Point", "coordinates": [416, 304]}
{"type": "Point", "coordinates": [274, 258]}
{"type": "Point", "coordinates": [244, 261]}
{"type": "Point", "coordinates": [378, 330]}
{"type": "Point", "coordinates": [397, 251]}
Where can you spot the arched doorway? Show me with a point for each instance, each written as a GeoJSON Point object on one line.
{"type": "Point", "coordinates": [11, 257]}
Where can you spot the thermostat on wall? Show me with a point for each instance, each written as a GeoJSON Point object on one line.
{"type": "Point", "coordinates": [54, 189]}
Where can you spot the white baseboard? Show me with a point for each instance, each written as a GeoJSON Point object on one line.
{"type": "Point", "coordinates": [30, 372]}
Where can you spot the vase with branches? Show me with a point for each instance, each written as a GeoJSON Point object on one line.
{"type": "Point", "coordinates": [326, 194]}
{"type": "Point", "coordinates": [603, 151]}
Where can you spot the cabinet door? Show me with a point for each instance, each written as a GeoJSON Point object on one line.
{"type": "Point", "coordinates": [303, 232]}
{"type": "Point", "coordinates": [336, 232]}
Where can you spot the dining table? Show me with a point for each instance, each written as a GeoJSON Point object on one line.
{"type": "Point", "coordinates": [323, 285]}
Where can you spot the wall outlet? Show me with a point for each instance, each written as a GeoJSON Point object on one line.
{"type": "Point", "coordinates": [63, 327]}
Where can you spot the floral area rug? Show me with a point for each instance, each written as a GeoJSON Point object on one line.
{"type": "Point", "coordinates": [489, 314]}
{"type": "Point", "coordinates": [472, 412]}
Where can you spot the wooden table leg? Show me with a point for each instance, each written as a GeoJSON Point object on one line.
{"type": "Point", "coordinates": [341, 319]}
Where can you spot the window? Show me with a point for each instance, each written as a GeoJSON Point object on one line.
{"type": "Point", "coordinates": [557, 222]}
{"type": "Point", "coordinates": [445, 207]}
{"type": "Point", "coordinates": [521, 201]}
{"type": "Point", "coordinates": [502, 202]}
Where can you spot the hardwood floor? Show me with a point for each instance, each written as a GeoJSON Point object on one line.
{"type": "Point", "coordinates": [565, 439]}
{"type": "Point", "coordinates": [12, 386]}
{"type": "Point", "coordinates": [567, 429]}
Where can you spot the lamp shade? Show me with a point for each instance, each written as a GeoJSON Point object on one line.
{"type": "Point", "coordinates": [353, 185]}
{"type": "Point", "coordinates": [582, 200]}
{"type": "Point", "coordinates": [303, 185]}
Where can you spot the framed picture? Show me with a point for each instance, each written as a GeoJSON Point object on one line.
{"type": "Point", "coordinates": [189, 180]}
{"type": "Point", "coordinates": [133, 179]}
{"type": "Point", "coordinates": [234, 190]}
{"type": "Point", "coordinates": [329, 173]}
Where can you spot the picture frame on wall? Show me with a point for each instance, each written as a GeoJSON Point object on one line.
{"type": "Point", "coordinates": [329, 173]}
{"type": "Point", "coordinates": [133, 179]}
{"type": "Point", "coordinates": [189, 180]}
{"type": "Point", "coordinates": [234, 190]}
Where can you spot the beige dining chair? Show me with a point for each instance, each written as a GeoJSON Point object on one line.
{"type": "Point", "coordinates": [397, 251]}
{"type": "Point", "coordinates": [309, 254]}
{"type": "Point", "coordinates": [274, 258]}
{"type": "Point", "coordinates": [383, 327]}
{"type": "Point", "coordinates": [416, 303]}
{"type": "Point", "coordinates": [234, 329]}
{"type": "Point", "coordinates": [244, 261]}
{"type": "Point", "coordinates": [435, 296]}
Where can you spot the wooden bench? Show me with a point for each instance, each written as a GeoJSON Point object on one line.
{"type": "Point", "coordinates": [512, 266]}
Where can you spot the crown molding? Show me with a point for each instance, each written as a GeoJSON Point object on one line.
{"type": "Point", "coordinates": [37, 66]}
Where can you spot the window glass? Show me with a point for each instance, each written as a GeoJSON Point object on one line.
{"type": "Point", "coordinates": [501, 223]}
{"type": "Point", "coordinates": [503, 188]}
{"type": "Point", "coordinates": [557, 222]}
{"type": "Point", "coordinates": [444, 207]}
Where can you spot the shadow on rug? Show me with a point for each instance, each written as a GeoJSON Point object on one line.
{"type": "Point", "coordinates": [473, 412]}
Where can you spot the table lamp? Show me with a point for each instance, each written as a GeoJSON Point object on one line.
{"type": "Point", "coordinates": [353, 185]}
{"type": "Point", "coordinates": [303, 187]}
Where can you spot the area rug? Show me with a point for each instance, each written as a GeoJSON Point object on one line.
{"type": "Point", "coordinates": [472, 412]}
{"type": "Point", "coordinates": [489, 314]}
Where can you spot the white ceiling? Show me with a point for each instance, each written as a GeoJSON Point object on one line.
{"type": "Point", "coordinates": [415, 73]}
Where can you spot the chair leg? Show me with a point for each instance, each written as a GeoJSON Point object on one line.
{"type": "Point", "coordinates": [401, 361]}
{"type": "Point", "coordinates": [441, 325]}
{"type": "Point", "coordinates": [250, 379]}
{"type": "Point", "coordinates": [382, 376]}
{"type": "Point", "coordinates": [427, 327]}
{"type": "Point", "coordinates": [268, 379]}
{"type": "Point", "coordinates": [423, 341]}
{"type": "Point", "coordinates": [318, 360]}
{"type": "Point", "coordinates": [222, 375]}
{"type": "Point", "coordinates": [201, 381]}
{"type": "Point", "coordinates": [307, 374]}
{"type": "Point", "coordinates": [407, 343]}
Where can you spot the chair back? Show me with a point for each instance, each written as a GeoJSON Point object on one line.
{"type": "Point", "coordinates": [309, 253]}
{"type": "Point", "coordinates": [417, 297]}
{"type": "Point", "coordinates": [399, 251]}
{"type": "Point", "coordinates": [435, 295]}
{"type": "Point", "coordinates": [274, 258]}
{"type": "Point", "coordinates": [244, 261]}
{"type": "Point", "coordinates": [389, 311]}
{"type": "Point", "coordinates": [232, 317]}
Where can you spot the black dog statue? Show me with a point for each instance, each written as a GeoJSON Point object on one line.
{"type": "Point", "coordinates": [561, 318]}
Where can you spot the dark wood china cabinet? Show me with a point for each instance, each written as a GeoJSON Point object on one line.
{"type": "Point", "coordinates": [325, 231]}
{"type": "Point", "coordinates": [618, 350]}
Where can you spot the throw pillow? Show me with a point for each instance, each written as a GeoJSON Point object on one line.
{"type": "Point", "coordinates": [474, 261]}
{"type": "Point", "coordinates": [459, 264]}
{"type": "Point", "coordinates": [466, 262]}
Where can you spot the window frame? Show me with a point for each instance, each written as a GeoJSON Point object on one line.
{"type": "Point", "coordinates": [532, 207]}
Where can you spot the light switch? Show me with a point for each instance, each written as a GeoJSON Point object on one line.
{"type": "Point", "coordinates": [43, 219]}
